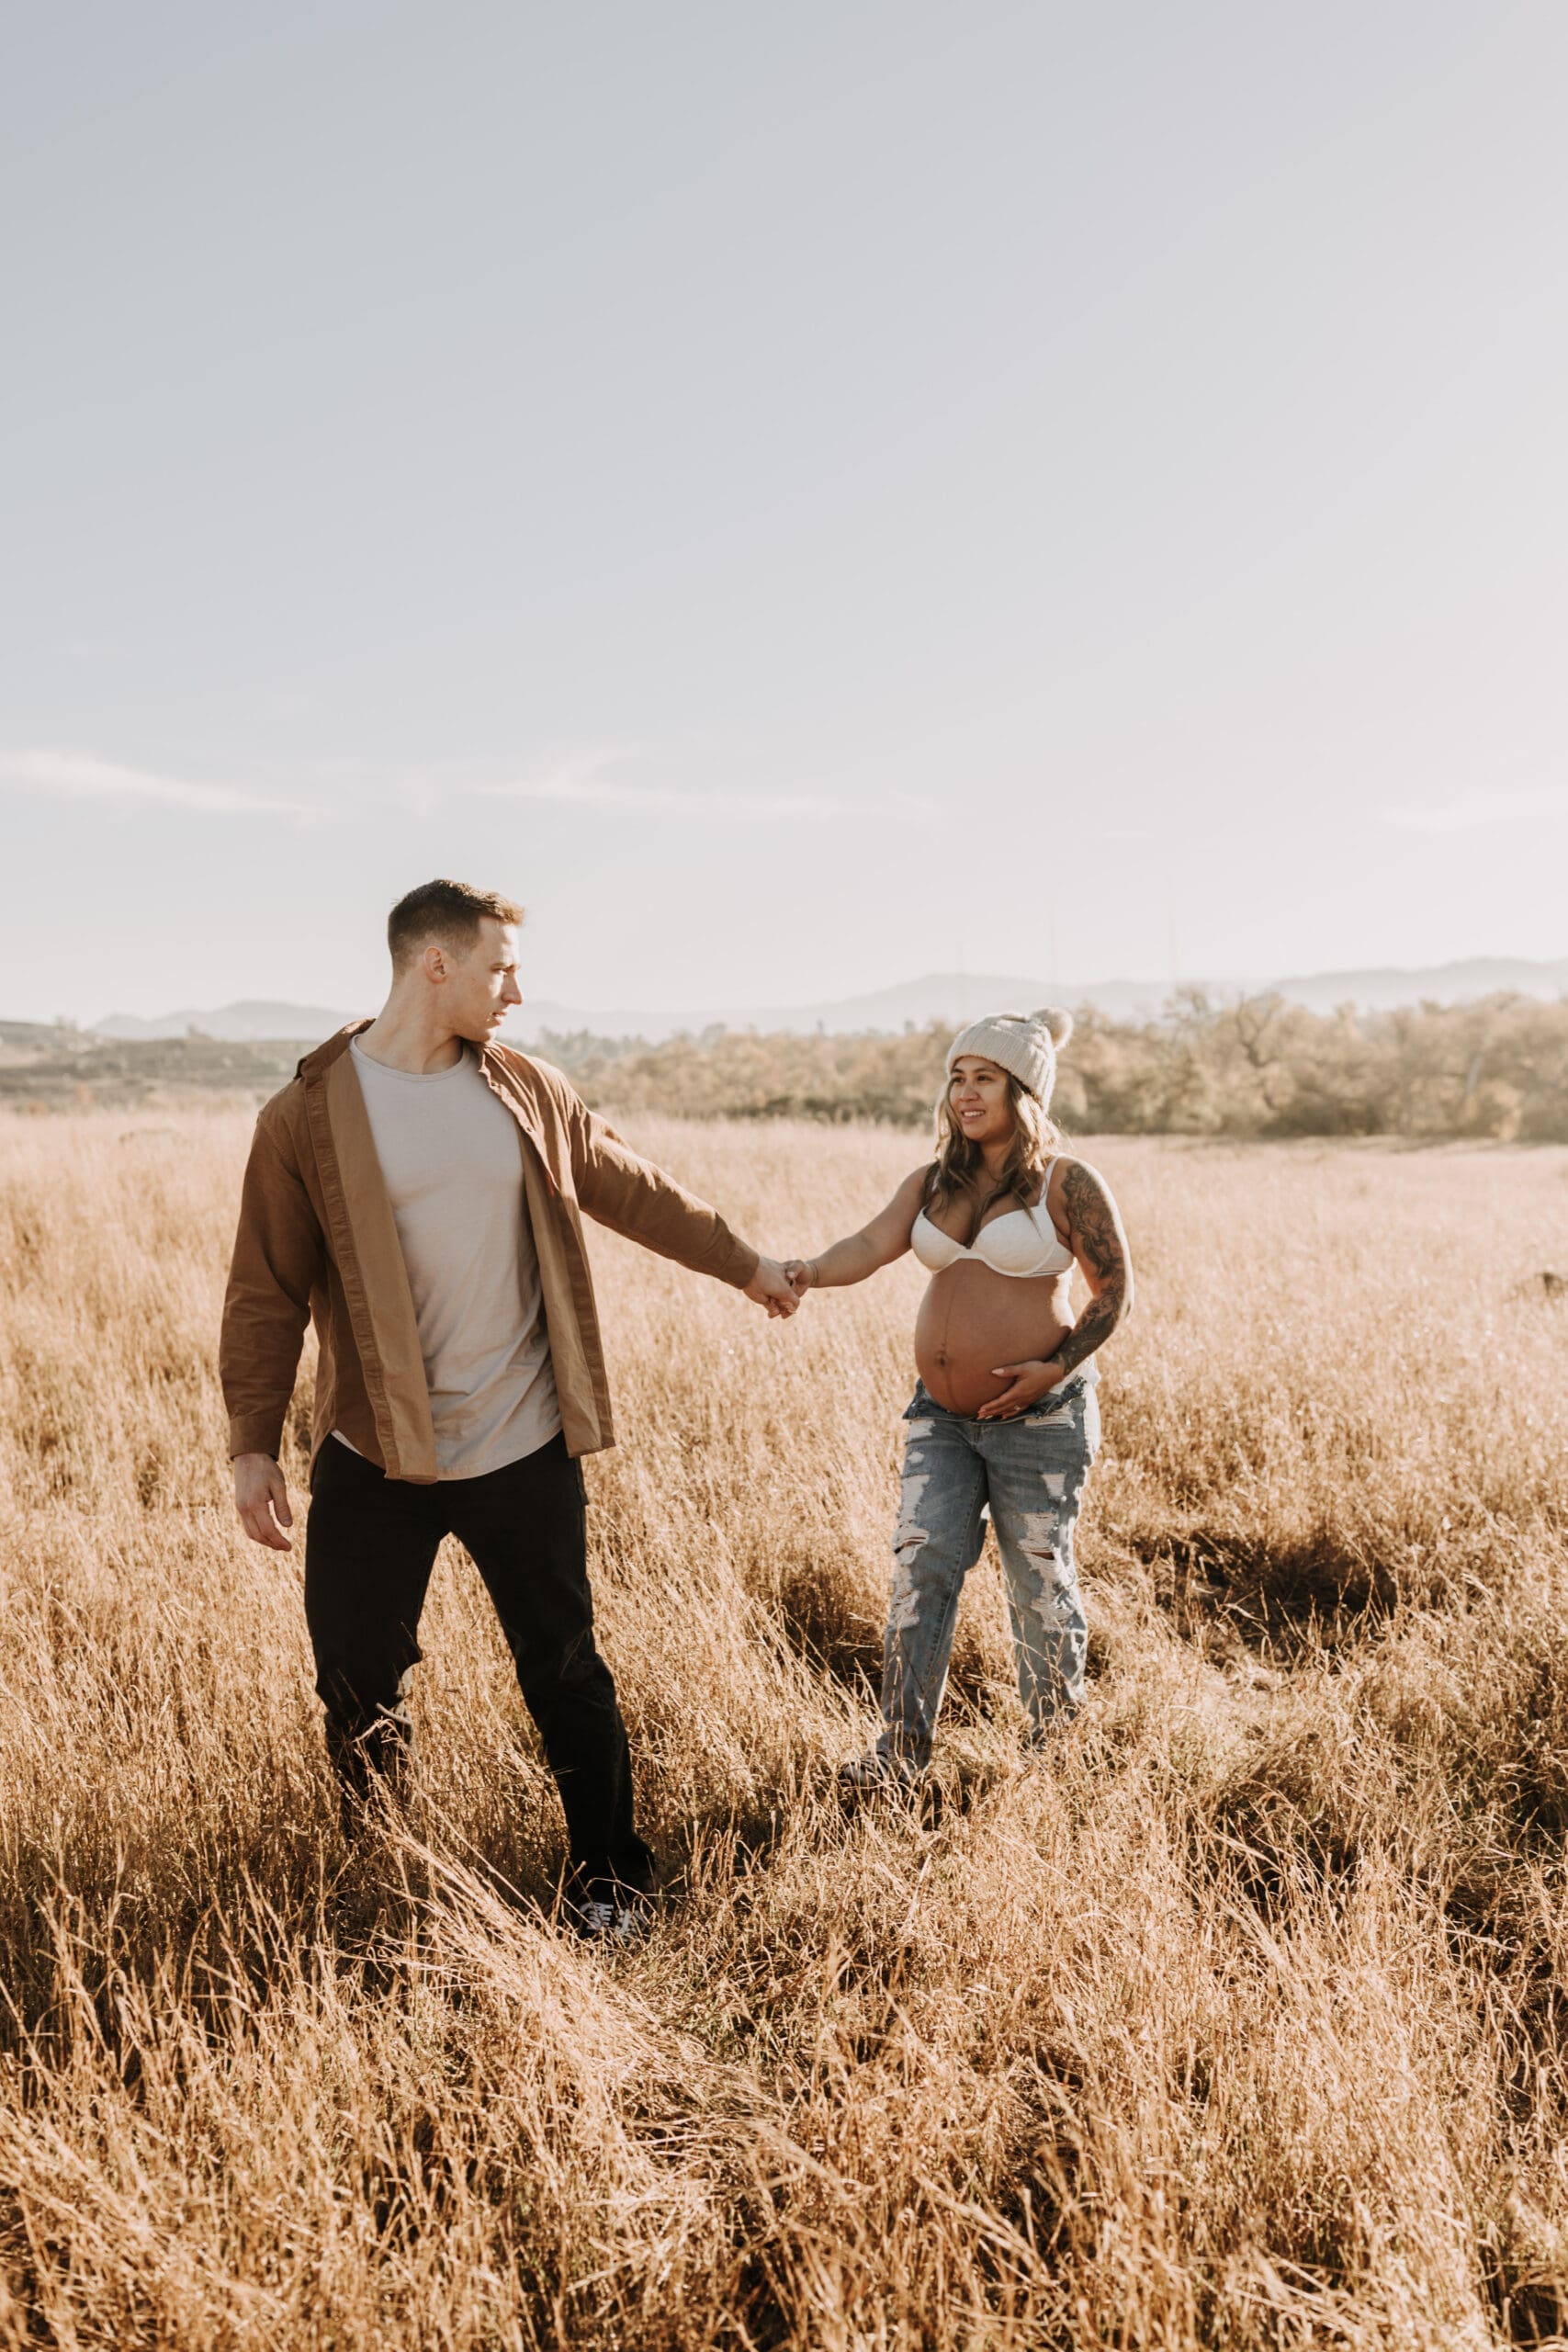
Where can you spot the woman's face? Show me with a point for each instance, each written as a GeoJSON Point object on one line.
{"type": "Point", "coordinates": [977, 1096]}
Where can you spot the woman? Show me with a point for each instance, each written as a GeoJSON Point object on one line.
{"type": "Point", "coordinates": [1005, 1410]}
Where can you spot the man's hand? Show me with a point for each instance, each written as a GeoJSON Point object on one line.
{"type": "Point", "coordinates": [1030, 1383]}
{"type": "Point", "coordinates": [261, 1498]}
{"type": "Point", "coordinates": [770, 1288]}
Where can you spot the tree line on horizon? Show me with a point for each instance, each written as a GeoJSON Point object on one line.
{"type": "Point", "coordinates": [1495, 1067]}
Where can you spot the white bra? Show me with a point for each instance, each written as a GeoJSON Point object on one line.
{"type": "Point", "coordinates": [1022, 1242]}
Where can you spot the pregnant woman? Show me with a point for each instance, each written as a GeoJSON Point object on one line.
{"type": "Point", "coordinates": [1004, 1411]}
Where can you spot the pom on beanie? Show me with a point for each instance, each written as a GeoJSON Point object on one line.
{"type": "Point", "coordinates": [1025, 1044]}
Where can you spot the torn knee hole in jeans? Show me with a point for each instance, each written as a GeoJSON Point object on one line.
{"type": "Point", "coordinates": [903, 1601]}
{"type": "Point", "coordinates": [910, 1491]}
{"type": "Point", "coordinates": [1041, 1548]}
{"type": "Point", "coordinates": [908, 1540]}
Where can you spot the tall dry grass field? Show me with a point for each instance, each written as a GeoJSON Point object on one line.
{"type": "Point", "coordinates": [1242, 2024]}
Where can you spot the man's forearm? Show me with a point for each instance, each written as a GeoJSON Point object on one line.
{"type": "Point", "coordinates": [620, 1189]}
{"type": "Point", "coordinates": [256, 1433]}
{"type": "Point", "coordinates": [258, 1359]}
{"type": "Point", "coordinates": [266, 1307]}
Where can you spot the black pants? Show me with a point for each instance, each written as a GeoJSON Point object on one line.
{"type": "Point", "coordinates": [370, 1543]}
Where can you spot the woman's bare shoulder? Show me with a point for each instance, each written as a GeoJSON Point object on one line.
{"type": "Point", "coordinates": [1071, 1181]}
{"type": "Point", "coordinates": [1084, 1210]}
{"type": "Point", "coordinates": [1079, 1173]}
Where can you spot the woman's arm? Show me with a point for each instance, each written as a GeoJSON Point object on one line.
{"type": "Point", "coordinates": [1095, 1237]}
{"type": "Point", "coordinates": [1097, 1240]}
{"type": "Point", "coordinates": [859, 1254]}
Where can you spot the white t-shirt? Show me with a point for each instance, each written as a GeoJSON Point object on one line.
{"type": "Point", "coordinates": [451, 1157]}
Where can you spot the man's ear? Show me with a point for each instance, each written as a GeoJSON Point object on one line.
{"type": "Point", "coordinates": [434, 962]}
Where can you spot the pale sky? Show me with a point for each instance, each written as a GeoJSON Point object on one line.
{"type": "Point", "coordinates": [800, 495]}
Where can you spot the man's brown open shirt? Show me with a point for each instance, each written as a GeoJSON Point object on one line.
{"type": "Point", "coordinates": [317, 1238]}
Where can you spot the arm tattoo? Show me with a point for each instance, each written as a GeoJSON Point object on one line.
{"type": "Point", "coordinates": [1097, 1240]}
{"type": "Point", "coordinates": [1092, 1328]}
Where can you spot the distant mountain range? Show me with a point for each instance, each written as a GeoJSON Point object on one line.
{"type": "Point", "coordinates": [936, 996]}
{"type": "Point", "coordinates": [255, 1018]}
{"type": "Point", "coordinates": [1385, 988]}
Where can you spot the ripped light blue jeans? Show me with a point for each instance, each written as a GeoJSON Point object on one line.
{"type": "Point", "coordinates": [1032, 1473]}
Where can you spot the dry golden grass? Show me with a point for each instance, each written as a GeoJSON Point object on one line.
{"type": "Point", "coordinates": [1243, 2025]}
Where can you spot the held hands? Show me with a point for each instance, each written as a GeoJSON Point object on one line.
{"type": "Point", "coordinates": [772, 1288]}
{"type": "Point", "coordinates": [1030, 1383]}
{"type": "Point", "coordinates": [261, 1498]}
{"type": "Point", "coordinates": [801, 1275]}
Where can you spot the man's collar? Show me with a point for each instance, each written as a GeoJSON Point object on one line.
{"type": "Point", "coordinates": [321, 1057]}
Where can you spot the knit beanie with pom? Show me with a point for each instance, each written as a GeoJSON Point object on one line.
{"type": "Point", "coordinates": [1023, 1043]}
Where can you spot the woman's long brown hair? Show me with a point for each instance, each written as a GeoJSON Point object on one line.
{"type": "Point", "coordinates": [961, 1168]}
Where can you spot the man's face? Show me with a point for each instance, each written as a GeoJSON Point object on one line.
{"type": "Point", "coordinates": [478, 988]}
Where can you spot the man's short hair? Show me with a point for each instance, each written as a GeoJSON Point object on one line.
{"type": "Point", "coordinates": [450, 912]}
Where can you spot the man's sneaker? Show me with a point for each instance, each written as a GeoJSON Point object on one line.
{"type": "Point", "coordinates": [592, 1920]}
{"type": "Point", "coordinates": [875, 1770]}
{"type": "Point", "coordinates": [600, 1921]}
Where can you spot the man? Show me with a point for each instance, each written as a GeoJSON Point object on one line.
{"type": "Point", "coordinates": [418, 1190]}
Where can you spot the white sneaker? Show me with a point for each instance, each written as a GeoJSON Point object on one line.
{"type": "Point", "coordinates": [1046, 1742]}
{"type": "Point", "coordinates": [598, 1921]}
{"type": "Point", "coordinates": [593, 1920]}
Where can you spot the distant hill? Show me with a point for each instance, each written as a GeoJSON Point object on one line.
{"type": "Point", "coordinates": [1385, 988]}
{"type": "Point", "coordinates": [935, 996]}
{"type": "Point", "coordinates": [251, 1018]}
{"type": "Point", "coordinates": [963, 995]}
{"type": "Point", "coordinates": [32, 1036]}
{"type": "Point", "coordinates": [939, 996]}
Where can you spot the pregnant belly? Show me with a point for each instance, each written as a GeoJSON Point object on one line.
{"type": "Point", "coordinates": [972, 1320]}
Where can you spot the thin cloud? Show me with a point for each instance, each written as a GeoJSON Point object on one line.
{"type": "Point", "coordinates": [586, 787]}
{"type": "Point", "coordinates": [63, 774]}
{"type": "Point", "coordinates": [1473, 811]}
{"type": "Point", "coordinates": [81, 775]}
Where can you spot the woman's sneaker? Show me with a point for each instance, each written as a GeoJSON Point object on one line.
{"type": "Point", "coordinates": [1059, 1736]}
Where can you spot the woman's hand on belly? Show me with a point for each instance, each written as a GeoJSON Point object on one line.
{"type": "Point", "coordinates": [973, 1319]}
{"type": "Point", "coordinates": [1029, 1381]}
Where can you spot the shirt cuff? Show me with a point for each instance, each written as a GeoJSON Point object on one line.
{"type": "Point", "coordinates": [737, 1262]}
{"type": "Point", "coordinates": [255, 1433]}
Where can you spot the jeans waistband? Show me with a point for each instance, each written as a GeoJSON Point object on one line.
{"type": "Point", "coordinates": [1077, 1384]}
